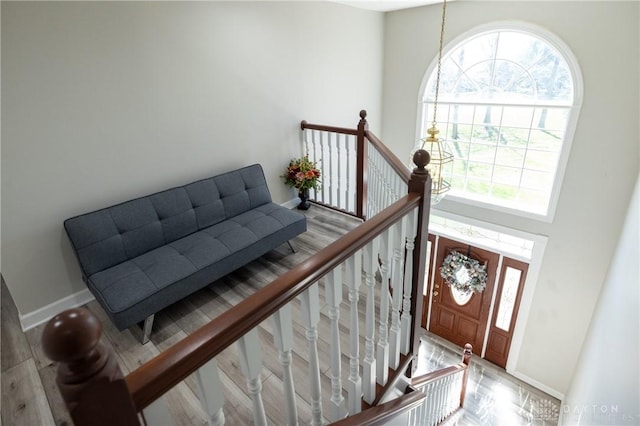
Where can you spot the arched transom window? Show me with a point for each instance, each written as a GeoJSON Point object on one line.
{"type": "Point", "coordinates": [507, 107]}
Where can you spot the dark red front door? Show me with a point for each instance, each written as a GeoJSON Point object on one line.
{"type": "Point", "coordinates": [452, 317]}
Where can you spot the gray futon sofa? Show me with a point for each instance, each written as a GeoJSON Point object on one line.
{"type": "Point", "coordinates": [140, 256]}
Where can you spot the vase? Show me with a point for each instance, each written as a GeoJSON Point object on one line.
{"type": "Point", "coordinates": [304, 199]}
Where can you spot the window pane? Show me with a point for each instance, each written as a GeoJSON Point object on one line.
{"type": "Point", "coordinates": [459, 297]}
{"type": "Point", "coordinates": [511, 83]}
{"type": "Point", "coordinates": [463, 114]}
{"type": "Point", "coordinates": [540, 160]}
{"type": "Point", "coordinates": [478, 187]}
{"type": "Point", "coordinates": [550, 118]}
{"type": "Point", "coordinates": [514, 137]}
{"type": "Point", "coordinates": [517, 117]}
{"type": "Point", "coordinates": [459, 132]}
{"type": "Point", "coordinates": [459, 149]}
{"type": "Point", "coordinates": [536, 180]}
{"type": "Point", "coordinates": [508, 298]}
{"type": "Point", "coordinates": [482, 171]}
{"type": "Point", "coordinates": [513, 157]}
{"type": "Point", "coordinates": [504, 174]}
{"type": "Point", "coordinates": [504, 192]}
{"type": "Point", "coordinates": [546, 140]}
{"type": "Point", "coordinates": [483, 153]}
{"type": "Point", "coordinates": [488, 115]}
{"type": "Point", "coordinates": [553, 79]}
{"type": "Point", "coordinates": [535, 199]}
{"type": "Point", "coordinates": [505, 101]}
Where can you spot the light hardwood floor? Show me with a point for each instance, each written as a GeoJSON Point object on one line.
{"type": "Point", "coordinates": [30, 396]}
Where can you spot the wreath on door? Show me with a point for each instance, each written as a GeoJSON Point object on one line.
{"type": "Point", "coordinates": [463, 273]}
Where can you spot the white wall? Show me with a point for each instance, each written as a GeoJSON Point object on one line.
{"type": "Point", "coordinates": [600, 173]}
{"type": "Point", "coordinates": [606, 385]}
{"type": "Point", "coordinates": [103, 102]}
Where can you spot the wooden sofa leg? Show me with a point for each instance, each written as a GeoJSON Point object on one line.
{"type": "Point", "coordinates": [146, 329]}
{"type": "Point", "coordinates": [291, 246]}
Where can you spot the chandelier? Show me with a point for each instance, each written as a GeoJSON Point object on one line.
{"type": "Point", "coordinates": [440, 166]}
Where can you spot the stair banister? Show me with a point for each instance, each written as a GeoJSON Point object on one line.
{"type": "Point", "coordinates": [91, 375]}
{"type": "Point", "coordinates": [362, 167]}
{"type": "Point", "coordinates": [419, 183]}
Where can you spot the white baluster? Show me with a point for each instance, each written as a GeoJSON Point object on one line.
{"type": "Point", "coordinates": [383, 340]}
{"type": "Point", "coordinates": [325, 170]}
{"type": "Point", "coordinates": [339, 176]}
{"type": "Point", "coordinates": [305, 140]}
{"type": "Point", "coordinates": [370, 261]}
{"type": "Point", "coordinates": [332, 185]}
{"type": "Point", "coordinates": [446, 393]}
{"type": "Point", "coordinates": [354, 278]}
{"type": "Point", "coordinates": [414, 415]}
{"type": "Point", "coordinates": [396, 281]}
{"type": "Point", "coordinates": [439, 400]}
{"type": "Point", "coordinates": [345, 182]}
{"type": "Point", "coordinates": [211, 392]}
{"type": "Point", "coordinates": [381, 198]}
{"type": "Point", "coordinates": [311, 316]}
{"type": "Point", "coordinates": [383, 182]}
{"type": "Point", "coordinates": [375, 180]}
{"type": "Point", "coordinates": [371, 189]}
{"type": "Point", "coordinates": [454, 396]}
{"type": "Point", "coordinates": [317, 158]}
{"type": "Point", "coordinates": [372, 185]}
{"type": "Point", "coordinates": [434, 412]}
{"type": "Point", "coordinates": [283, 339]}
{"type": "Point", "coordinates": [350, 186]}
{"type": "Point", "coordinates": [431, 398]}
{"type": "Point", "coordinates": [387, 185]}
{"type": "Point", "coordinates": [157, 413]}
{"type": "Point", "coordinates": [406, 318]}
{"type": "Point", "coordinates": [251, 365]}
{"type": "Point", "coordinates": [401, 187]}
{"type": "Point", "coordinates": [333, 295]}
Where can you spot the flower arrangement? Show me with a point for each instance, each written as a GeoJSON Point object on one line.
{"type": "Point", "coordinates": [464, 273]}
{"type": "Point", "coordinates": [302, 173]}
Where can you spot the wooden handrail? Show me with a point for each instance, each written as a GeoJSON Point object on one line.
{"type": "Point", "coordinates": [173, 365]}
{"type": "Point", "coordinates": [393, 160]}
{"type": "Point", "coordinates": [343, 130]}
{"type": "Point", "coordinates": [425, 379]}
{"type": "Point", "coordinates": [88, 373]}
{"type": "Point", "coordinates": [383, 413]}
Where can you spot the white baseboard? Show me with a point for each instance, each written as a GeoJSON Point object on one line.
{"type": "Point", "coordinates": [44, 314]}
{"type": "Point", "coordinates": [291, 203]}
{"type": "Point", "coordinates": [536, 384]}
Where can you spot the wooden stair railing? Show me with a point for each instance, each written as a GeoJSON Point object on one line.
{"type": "Point", "coordinates": [380, 178]}
{"type": "Point", "coordinates": [96, 392]}
{"type": "Point", "coordinates": [445, 390]}
{"type": "Point", "coordinates": [94, 389]}
{"type": "Point", "coordinates": [424, 403]}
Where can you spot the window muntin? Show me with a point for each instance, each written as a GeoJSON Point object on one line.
{"type": "Point", "coordinates": [505, 102]}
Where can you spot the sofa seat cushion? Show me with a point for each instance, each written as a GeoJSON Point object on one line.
{"type": "Point", "coordinates": [123, 286]}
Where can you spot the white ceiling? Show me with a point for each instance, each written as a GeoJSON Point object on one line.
{"type": "Point", "coordinates": [386, 5]}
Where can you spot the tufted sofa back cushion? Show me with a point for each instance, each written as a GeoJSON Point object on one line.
{"type": "Point", "coordinates": [110, 236]}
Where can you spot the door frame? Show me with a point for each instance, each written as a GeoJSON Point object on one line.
{"type": "Point", "coordinates": [535, 263]}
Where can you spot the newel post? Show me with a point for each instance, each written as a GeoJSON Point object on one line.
{"type": "Point", "coordinates": [362, 167]}
{"type": "Point", "coordinates": [420, 182]}
{"type": "Point", "coordinates": [89, 378]}
{"type": "Point", "coordinates": [466, 359]}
